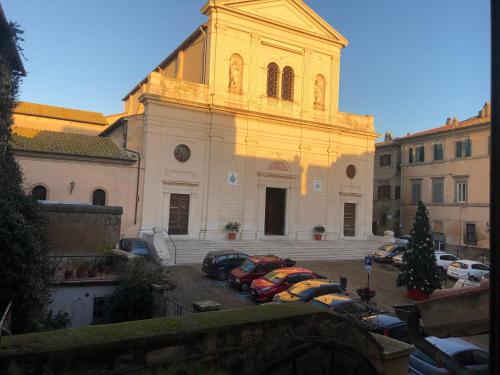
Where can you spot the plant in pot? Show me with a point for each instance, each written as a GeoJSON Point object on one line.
{"type": "Point", "coordinates": [91, 272]}
{"type": "Point", "coordinates": [232, 228]}
{"type": "Point", "coordinates": [366, 294]}
{"type": "Point", "coordinates": [68, 274]}
{"type": "Point", "coordinates": [318, 232]}
{"type": "Point", "coordinates": [81, 270]}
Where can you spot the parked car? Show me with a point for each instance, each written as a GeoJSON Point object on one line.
{"type": "Point", "coordinates": [219, 263]}
{"type": "Point", "coordinates": [385, 253]}
{"type": "Point", "coordinates": [307, 290]}
{"type": "Point", "coordinates": [255, 267]}
{"type": "Point", "coordinates": [135, 246]}
{"type": "Point", "coordinates": [467, 269]}
{"type": "Point", "coordinates": [443, 260]}
{"type": "Point", "coordinates": [345, 305]}
{"type": "Point", "coordinates": [387, 324]}
{"type": "Point", "coordinates": [469, 355]}
{"type": "Point", "coordinates": [263, 289]}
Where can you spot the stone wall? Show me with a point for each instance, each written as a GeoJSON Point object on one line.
{"type": "Point", "coordinates": [80, 229]}
{"type": "Point", "coordinates": [267, 339]}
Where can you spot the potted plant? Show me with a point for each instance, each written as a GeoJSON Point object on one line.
{"type": "Point", "coordinates": [232, 228]}
{"type": "Point", "coordinates": [68, 274]}
{"type": "Point", "coordinates": [366, 293]}
{"type": "Point", "coordinates": [318, 232]}
{"type": "Point", "coordinates": [91, 272]}
{"type": "Point", "coordinates": [81, 270]}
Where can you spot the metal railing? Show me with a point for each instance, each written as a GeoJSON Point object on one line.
{"type": "Point", "coordinates": [6, 322]}
{"type": "Point", "coordinates": [174, 308]}
{"type": "Point", "coordinates": [175, 247]}
{"type": "Point", "coordinates": [68, 268]}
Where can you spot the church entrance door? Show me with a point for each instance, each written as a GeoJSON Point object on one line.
{"type": "Point", "coordinates": [275, 212]}
{"type": "Point", "coordinates": [179, 214]}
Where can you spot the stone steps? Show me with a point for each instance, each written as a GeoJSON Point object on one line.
{"type": "Point", "coordinates": [193, 251]}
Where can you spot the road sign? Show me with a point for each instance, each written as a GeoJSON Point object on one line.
{"type": "Point", "coordinates": [368, 264]}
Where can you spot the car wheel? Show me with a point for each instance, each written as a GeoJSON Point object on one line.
{"type": "Point", "coordinates": [222, 275]}
{"type": "Point", "coordinates": [244, 287]}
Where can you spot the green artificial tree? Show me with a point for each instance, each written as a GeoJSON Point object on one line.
{"type": "Point", "coordinates": [24, 245]}
{"type": "Point", "coordinates": [419, 272]}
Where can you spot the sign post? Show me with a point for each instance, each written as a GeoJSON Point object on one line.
{"type": "Point", "coordinates": [368, 268]}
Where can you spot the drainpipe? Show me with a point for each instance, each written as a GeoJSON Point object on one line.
{"type": "Point", "coordinates": [138, 172]}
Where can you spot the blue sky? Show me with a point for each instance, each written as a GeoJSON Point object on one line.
{"type": "Point", "coordinates": [409, 63]}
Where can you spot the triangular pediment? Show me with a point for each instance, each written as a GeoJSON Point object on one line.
{"type": "Point", "coordinates": [294, 14]}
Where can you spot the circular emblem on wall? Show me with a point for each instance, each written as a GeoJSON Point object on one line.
{"type": "Point", "coordinates": [351, 171]}
{"type": "Point", "coordinates": [182, 153]}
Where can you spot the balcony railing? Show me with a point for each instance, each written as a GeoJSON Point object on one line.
{"type": "Point", "coordinates": [70, 268]}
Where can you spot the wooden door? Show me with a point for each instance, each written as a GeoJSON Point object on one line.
{"type": "Point", "coordinates": [349, 219]}
{"type": "Point", "coordinates": [179, 214]}
{"type": "Point", "coordinates": [275, 212]}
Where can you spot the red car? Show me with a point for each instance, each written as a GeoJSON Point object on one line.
{"type": "Point", "coordinates": [255, 267]}
{"type": "Point", "coordinates": [266, 287]}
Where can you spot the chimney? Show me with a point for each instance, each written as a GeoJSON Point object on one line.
{"type": "Point", "coordinates": [388, 137]}
{"type": "Point", "coordinates": [454, 122]}
{"type": "Point", "coordinates": [485, 111]}
{"type": "Point", "coordinates": [448, 121]}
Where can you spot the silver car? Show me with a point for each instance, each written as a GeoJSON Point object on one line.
{"type": "Point", "coordinates": [469, 355]}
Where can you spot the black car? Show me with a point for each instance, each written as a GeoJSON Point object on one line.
{"type": "Point", "coordinates": [219, 263]}
{"type": "Point", "coordinates": [307, 290]}
{"type": "Point", "coordinates": [343, 304]}
{"type": "Point", "coordinates": [387, 324]}
{"type": "Point", "coordinates": [136, 246]}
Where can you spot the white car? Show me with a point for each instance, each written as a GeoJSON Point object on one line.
{"type": "Point", "coordinates": [469, 269]}
{"type": "Point", "coordinates": [443, 260]}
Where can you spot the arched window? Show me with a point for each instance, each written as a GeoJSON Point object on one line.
{"type": "Point", "coordinates": [287, 84]}
{"type": "Point", "coordinates": [272, 80]}
{"type": "Point", "coordinates": [39, 193]}
{"type": "Point", "coordinates": [99, 197]}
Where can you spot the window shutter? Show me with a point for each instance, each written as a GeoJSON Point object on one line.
{"type": "Point", "coordinates": [468, 147]}
{"type": "Point", "coordinates": [458, 149]}
{"type": "Point", "coordinates": [410, 156]}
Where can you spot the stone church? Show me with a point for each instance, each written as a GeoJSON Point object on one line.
{"type": "Point", "coordinates": [241, 123]}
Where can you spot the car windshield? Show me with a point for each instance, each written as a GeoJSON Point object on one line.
{"type": "Point", "coordinates": [248, 266]}
{"type": "Point", "coordinates": [275, 277]}
{"type": "Point", "coordinates": [302, 291]}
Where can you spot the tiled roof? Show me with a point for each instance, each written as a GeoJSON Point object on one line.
{"type": "Point", "coordinates": [451, 127]}
{"type": "Point", "coordinates": [44, 141]}
{"type": "Point", "coordinates": [60, 113]}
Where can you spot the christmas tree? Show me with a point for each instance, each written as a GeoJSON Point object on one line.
{"type": "Point", "coordinates": [419, 272]}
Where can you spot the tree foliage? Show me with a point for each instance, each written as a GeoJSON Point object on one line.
{"type": "Point", "coordinates": [24, 244]}
{"type": "Point", "coordinates": [132, 299]}
{"type": "Point", "coordinates": [419, 270]}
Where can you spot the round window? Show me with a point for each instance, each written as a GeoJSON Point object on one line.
{"type": "Point", "coordinates": [182, 153]}
{"type": "Point", "coordinates": [351, 171]}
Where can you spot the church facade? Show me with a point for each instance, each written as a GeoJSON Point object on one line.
{"type": "Point", "coordinates": [241, 124]}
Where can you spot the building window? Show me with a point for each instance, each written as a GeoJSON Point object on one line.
{"type": "Point", "coordinates": [385, 160]}
{"type": "Point", "coordinates": [416, 154]}
{"type": "Point", "coordinates": [438, 190]}
{"type": "Point", "coordinates": [438, 151]}
{"type": "Point", "coordinates": [470, 234]}
{"type": "Point", "coordinates": [461, 191]}
{"type": "Point", "coordinates": [463, 148]}
{"type": "Point", "coordinates": [416, 191]}
{"type": "Point", "coordinates": [99, 197]}
{"type": "Point", "coordinates": [397, 192]}
{"type": "Point", "coordinates": [287, 84]}
{"type": "Point", "coordinates": [99, 311]}
{"type": "Point", "coordinates": [272, 80]}
{"type": "Point", "coordinates": [384, 192]}
{"type": "Point", "coordinates": [39, 193]}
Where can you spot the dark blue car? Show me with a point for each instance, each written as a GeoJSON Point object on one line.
{"type": "Point", "coordinates": [219, 263]}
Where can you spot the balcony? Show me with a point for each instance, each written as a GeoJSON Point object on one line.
{"type": "Point", "coordinates": [71, 269]}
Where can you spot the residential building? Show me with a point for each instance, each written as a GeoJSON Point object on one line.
{"type": "Point", "coordinates": [387, 186]}
{"type": "Point", "coordinates": [240, 123]}
{"type": "Point", "coordinates": [448, 169]}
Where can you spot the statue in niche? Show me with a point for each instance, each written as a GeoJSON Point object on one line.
{"type": "Point", "coordinates": [319, 92]}
{"type": "Point", "coordinates": [235, 74]}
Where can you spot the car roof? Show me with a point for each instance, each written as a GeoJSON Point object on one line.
{"type": "Point", "coordinates": [383, 319]}
{"type": "Point", "coordinates": [264, 258]}
{"type": "Point", "coordinates": [439, 252]}
{"type": "Point", "coordinates": [134, 239]}
{"type": "Point", "coordinates": [224, 252]}
{"type": "Point", "coordinates": [289, 270]}
{"type": "Point", "coordinates": [330, 299]}
{"type": "Point", "coordinates": [313, 283]}
{"type": "Point", "coordinates": [452, 345]}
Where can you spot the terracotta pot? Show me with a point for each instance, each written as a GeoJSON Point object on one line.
{"type": "Point", "coordinates": [318, 236]}
{"type": "Point", "coordinates": [231, 236]}
{"type": "Point", "coordinates": [417, 295]}
{"type": "Point", "coordinates": [366, 294]}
